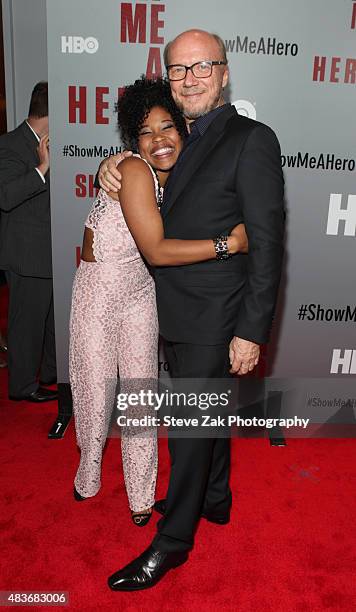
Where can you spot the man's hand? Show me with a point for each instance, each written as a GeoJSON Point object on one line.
{"type": "Point", "coordinates": [43, 154]}
{"type": "Point", "coordinates": [109, 176]}
{"type": "Point", "coordinates": [244, 355]}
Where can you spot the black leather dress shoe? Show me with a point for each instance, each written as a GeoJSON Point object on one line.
{"type": "Point", "coordinates": [40, 395]}
{"type": "Point", "coordinates": [145, 571]}
{"type": "Point", "coordinates": [219, 519]}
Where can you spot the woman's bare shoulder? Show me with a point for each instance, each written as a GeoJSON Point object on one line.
{"type": "Point", "coordinates": [136, 175]}
{"type": "Point", "coordinates": [134, 172]}
{"type": "Point", "coordinates": [134, 165]}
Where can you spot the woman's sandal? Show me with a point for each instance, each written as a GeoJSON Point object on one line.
{"type": "Point", "coordinates": [141, 518]}
{"type": "Point", "coordinates": [78, 496]}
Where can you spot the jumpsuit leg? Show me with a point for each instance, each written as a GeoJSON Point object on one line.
{"type": "Point", "coordinates": [94, 327]}
{"type": "Point", "coordinates": [138, 369]}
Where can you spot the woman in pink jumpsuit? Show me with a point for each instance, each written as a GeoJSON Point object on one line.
{"type": "Point", "coordinates": [113, 323]}
{"type": "Point", "coordinates": [113, 327]}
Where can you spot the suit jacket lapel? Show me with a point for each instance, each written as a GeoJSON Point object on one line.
{"type": "Point", "coordinates": [206, 143]}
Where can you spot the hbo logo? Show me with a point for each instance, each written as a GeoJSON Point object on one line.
{"type": "Point", "coordinates": [347, 361]}
{"type": "Point", "coordinates": [245, 108]}
{"type": "Point", "coordinates": [78, 44]}
{"type": "Point", "coordinates": [338, 212]}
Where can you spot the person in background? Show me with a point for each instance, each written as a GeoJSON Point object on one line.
{"type": "Point", "coordinates": [25, 253]}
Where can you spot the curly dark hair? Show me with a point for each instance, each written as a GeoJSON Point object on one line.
{"type": "Point", "coordinates": [136, 102]}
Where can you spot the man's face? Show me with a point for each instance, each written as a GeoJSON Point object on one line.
{"type": "Point", "coordinates": [194, 96]}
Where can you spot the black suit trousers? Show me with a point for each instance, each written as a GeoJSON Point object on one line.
{"type": "Point", "coordinates": [200, 467]}
{"type": "Point", "coordinates": [31, 339]}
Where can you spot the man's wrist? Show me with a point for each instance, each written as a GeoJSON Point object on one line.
{"type": "Point", "coordinates": [236, 339]}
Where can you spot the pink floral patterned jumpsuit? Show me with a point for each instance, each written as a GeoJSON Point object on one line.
{"type": "Point", "coordinates": [113, 329]}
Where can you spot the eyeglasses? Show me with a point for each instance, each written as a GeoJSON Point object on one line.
{"type": "Point", "coordinates": [201, 70]}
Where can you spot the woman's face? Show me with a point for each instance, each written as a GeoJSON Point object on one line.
{"type": "Point", "coordinates": [159, 142]}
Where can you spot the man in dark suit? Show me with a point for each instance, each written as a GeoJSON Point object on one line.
{"type": "Point", "coordinates": [25, 253]}
{"type": "Point", "coordinates": [213, 315]}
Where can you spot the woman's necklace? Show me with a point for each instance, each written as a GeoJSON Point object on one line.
{"type": "Point", "coordinates": [159, 192]}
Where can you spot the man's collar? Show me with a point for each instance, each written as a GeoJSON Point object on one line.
{"type": "Point", "coordinates": [32, 130]}
{"type": "Point", "coordinates": [203, 122]}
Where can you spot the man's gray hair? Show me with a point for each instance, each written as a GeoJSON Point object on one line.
{"type": "Point", "coordinates": [217, 38]}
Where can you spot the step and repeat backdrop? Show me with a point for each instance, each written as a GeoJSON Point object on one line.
{"type": "Point", "coordinates": [293, 67]}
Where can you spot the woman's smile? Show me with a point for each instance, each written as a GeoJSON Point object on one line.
{"type": "Point", "coordinates": [162, 151]}
{"type": "Point", "coordinates": [159, 141]}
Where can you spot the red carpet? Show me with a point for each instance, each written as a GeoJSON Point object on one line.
{"type": "Point", "coordinates": [289, 546]}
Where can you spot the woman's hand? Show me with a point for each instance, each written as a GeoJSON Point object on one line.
{"type": "Point", "coordinates": [237, 241]}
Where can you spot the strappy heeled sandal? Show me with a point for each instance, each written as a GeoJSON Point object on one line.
{"type": "Point", "coordinates": [140, 519]}
{"type": "Point", "coordinates": [78, 496]}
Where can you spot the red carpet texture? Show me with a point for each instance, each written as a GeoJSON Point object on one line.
{"type": "Point", "coordinates": [290, 545]}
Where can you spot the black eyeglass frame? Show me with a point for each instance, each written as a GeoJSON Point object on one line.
{"type": "Point", "coordinates": [210, 62]}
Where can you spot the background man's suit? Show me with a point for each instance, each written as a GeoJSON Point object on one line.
{"type": "Point", "coordinates": [232, 173]}
{"type": "Point", "coordinates": [25, 254]}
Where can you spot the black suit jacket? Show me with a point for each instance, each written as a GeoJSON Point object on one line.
{"type": "Point", "coordinates": [234, 174]}
{"type": "Point", "coordinates": [25, 223]}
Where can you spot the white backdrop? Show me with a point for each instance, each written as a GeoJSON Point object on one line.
{"type": "Point", "coordinates": [292, 66]}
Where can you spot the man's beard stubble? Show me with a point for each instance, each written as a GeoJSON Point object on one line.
{"type": "Point", "coordinates": [191, 114]}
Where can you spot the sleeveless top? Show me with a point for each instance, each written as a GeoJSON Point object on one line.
{"type": "Point", "coordinates": [112, 240]}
